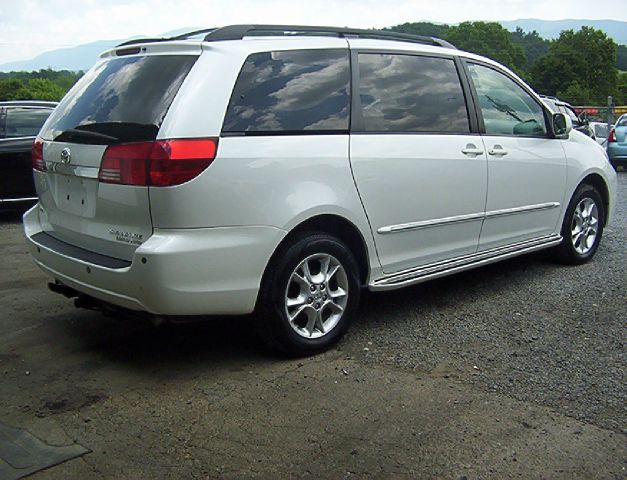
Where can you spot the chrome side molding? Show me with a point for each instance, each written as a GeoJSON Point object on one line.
{"type": "Point", "coordinates": [431, 223]}
{"type": "Point", "coordinates": [458, 264]}
{"type": "Point", "coordinates": [525, 209]}
{"type": "Point", "coordinates": [404, 227]}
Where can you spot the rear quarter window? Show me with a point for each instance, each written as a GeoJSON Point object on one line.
{"type": "Point", "coordinates": [294, 91]}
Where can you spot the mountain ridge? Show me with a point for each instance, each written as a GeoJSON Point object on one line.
{"type": "Point", "coordinates": [82, 57]}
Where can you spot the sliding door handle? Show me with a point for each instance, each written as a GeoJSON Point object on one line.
{"type": "Point", "coordinates": [497, 151]}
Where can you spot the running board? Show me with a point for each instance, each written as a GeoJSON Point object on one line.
{"type": "Point", "coordinates": [459, 264]}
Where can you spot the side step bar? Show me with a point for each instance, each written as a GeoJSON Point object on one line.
{"type": "Point", "coordinates": [459, 264]}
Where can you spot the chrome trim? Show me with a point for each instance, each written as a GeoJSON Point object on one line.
{"type": "Point", "coordinates": [24, 199]}
{"type": "Point", "coordinates": [71, 170]}
{"type": "Point", "coordinates": [525, 209]}
{"type": "Point", "coordinates": [404, 227]}
{"type": "Point", "coordinates": [431, 223]}
{"type": "Point", "coordinates": [447, 267]}
{"type": "Point", "coordinates": [7, 139]}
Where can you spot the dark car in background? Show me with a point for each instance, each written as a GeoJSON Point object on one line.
{"type": "Point", "coordinates": [20, 121]}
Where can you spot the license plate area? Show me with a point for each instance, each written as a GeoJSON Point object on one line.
{"type": "Point", "coordinates": [75, 195]}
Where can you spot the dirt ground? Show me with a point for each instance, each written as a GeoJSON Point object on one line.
{"type": "Point", "coordinates": [501, 373]}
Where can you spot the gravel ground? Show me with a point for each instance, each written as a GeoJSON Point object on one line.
{"type": "Point", "coordinates": [527, 327]}
{"type": "Point", "coordinates": [515, 370]}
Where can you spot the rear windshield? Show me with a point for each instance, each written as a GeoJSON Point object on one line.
{"type": "Point", "coordinates": [23, 121]}
{"type": "Point", "coordinates": [122, 100]}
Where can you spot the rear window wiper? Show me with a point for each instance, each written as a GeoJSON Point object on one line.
{"type": "Point", "coordinates": [75, 133]}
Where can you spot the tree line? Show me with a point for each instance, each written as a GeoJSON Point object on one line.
{"type": "Point", "coordinates": [46, 84]}
{"type": "Point", "coordinates": [582, 67]}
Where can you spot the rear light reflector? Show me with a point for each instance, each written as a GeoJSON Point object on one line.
{"type": "Point", "coordinates": [612, 136]}
{"type": "Point", "coordinates": [162, 163]}
{"type": "Point", "coordinates": [38, 155]}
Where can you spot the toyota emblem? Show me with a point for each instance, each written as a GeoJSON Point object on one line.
{"type": "Point", "coordinates": [66, 155]}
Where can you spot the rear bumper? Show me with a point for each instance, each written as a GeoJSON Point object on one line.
{"type": "Point", "coordinates": [617, 153]}
{"type": "Point", "coordinates": [203, 271]}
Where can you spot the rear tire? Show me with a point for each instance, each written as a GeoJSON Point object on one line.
{"type": "Point", "coordinates": [308, 296]}
{"type": "Point", "coordinates": [582, 227]}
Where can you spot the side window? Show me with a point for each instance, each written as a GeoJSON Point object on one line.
{"type": "Point", "coordinates": [291, 91]}
{"type": "Point", "coordinates": [507, 109]}
{"type": "Point", "coordinates": [25, 122]}
{"type": "Point", "coordinates": [409, 93]}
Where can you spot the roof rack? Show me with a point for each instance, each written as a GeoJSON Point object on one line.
{"type": "Point", "coordinates": [237, 32]}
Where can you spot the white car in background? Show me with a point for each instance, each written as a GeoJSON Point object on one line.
{"type": "Point", "coordinates": [284, 168]}
{"type": "Point", "coordinates": [601, 131]}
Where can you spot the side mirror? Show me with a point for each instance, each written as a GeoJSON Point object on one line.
{"type": "Point", "coordinates": [562, 125]}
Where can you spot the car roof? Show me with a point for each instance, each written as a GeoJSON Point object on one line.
{"type": "Point", "coordinates": [28, 103]}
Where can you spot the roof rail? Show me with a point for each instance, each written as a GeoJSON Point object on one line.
{"type": "Point", "coordinates": [237, 32]}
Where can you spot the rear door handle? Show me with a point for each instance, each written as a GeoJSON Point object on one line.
{"type": "Point", "coordinates": [471, 149]}
{"type": "Point", "coordinates": [497, 151]}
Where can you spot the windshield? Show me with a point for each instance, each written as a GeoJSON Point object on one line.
{"type": "Point", "coordinates": [120, 100]}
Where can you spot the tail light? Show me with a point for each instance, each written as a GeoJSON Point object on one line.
{"type": "Point", "coordinates": [162, 163]}
{"type": "Point", "coordinates": [612, 136]}
{"type": "Point", "coordinates": [38, 155]}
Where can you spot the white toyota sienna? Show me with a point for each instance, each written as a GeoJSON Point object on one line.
{"type": "Point", "coordinates": [284, 168]}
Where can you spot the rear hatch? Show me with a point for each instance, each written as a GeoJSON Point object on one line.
{"type": "Point", "coordinates": [122, 100]}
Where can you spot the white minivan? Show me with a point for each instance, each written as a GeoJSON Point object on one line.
{"type": "Point", "coordinates": [284, 168]}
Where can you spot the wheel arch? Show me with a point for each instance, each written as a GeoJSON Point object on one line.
{"type": "Point", "coordinates": [595, 180]}
{"type": "Point", "coordinates": [334, 225]}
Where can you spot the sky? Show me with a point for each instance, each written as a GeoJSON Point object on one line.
{"type": "Point", "coordinates": [31, 27]}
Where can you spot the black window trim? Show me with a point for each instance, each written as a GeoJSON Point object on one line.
{"type": "Point", "coordinates": [286, 133]}
{"type": "Point", "coordinates": [465, 61]}
{"type": "Point", "coordinates": [358, 127]}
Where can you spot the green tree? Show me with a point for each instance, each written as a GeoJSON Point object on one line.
{"type": "Point", "coordinates": [621, 61]}
{"type": "Point", "coordinates": [45, 89]}
{"type": "Point", "coordinates": [621, 97]}
{"type": "Point", "coordinates": [13, 89]}
{"type": "Point", "coordinates": [421, 28]}
{"type": "Point", "coordinates": [489, 39]}
{"type": "Point", "coordinates": [578, 62]}
{"type": "Point", "coordinates": [45, 84]}
{"type": "Point", "coordinates": [533, 44]}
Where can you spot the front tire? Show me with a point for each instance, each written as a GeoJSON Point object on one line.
{"type": "Point", "coordinates": [582, 227]}
{"type": "Point", "coordinates": [308, 296]}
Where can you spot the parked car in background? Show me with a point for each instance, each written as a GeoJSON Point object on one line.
{"type": "Point", "coordinates": [617, 143]}
{"type": "Point", "coordinates": [284, 168]}
{"type": "Point", "coordinates": [20, 121]}
{"type": "Point", "coordinates": [579, 122]}
{"type": "Point", "coordinates": [601, 131]}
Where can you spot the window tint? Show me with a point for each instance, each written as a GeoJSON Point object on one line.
{"type": "Point", "coordinates": [291, 91]}
{"type": "Point", "coordinates": [507, 109]}
{"type": "Point", "coordinates": [25, 122]}
{"type": "Point", "coordinates": [407, 93]}
{"type": "Point", "coordinates": [124, 98]}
